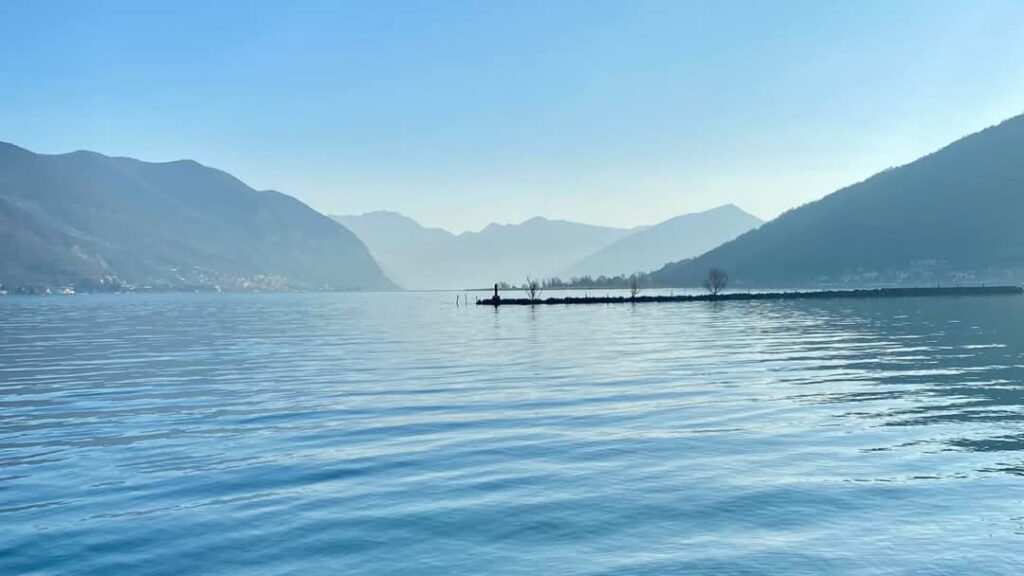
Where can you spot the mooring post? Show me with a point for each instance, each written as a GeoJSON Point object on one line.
{"type": "Point", "coordinates": [497, 299]}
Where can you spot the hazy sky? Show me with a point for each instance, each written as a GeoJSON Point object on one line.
{"type": "Point", "coordinates": [462, 113]}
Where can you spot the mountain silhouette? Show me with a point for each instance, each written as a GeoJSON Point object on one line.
{"type": "Point", "coordinates": [82, 218]}
{"type": "Point", "coordinates": [680, 237]}
{"type": "Point", "coordinates": [420, 257]}
{"type": "Point", "coordinates": [951, 216]}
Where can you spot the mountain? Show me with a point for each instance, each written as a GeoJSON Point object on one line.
{"type": "Point", "coordinates": [951, 216]}
{"type": "Point", "coordinates": [411, 254]}
{"type": "Point", "coordinates": [87, 219]}
{"type": "Point", "coordinates": [684, 236]}
{"type": "Point", "coordinates": [419, 257]}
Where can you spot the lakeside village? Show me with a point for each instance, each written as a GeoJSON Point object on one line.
{"type": "Point", "coordinates": [195, 281]}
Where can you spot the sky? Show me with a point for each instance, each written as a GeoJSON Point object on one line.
{"type": "Point", "coordinates": [463, 113]}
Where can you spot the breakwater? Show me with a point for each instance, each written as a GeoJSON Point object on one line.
{"type": "Point", "coordinates": [745, 296]}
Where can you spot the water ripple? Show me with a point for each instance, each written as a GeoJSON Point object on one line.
{"type": "Point", "coordinates": [397, 434]}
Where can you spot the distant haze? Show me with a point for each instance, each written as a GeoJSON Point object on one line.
{"type": "Point", "coordinates": [419, 257]}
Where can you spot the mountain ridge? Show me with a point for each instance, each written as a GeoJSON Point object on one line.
{"type": "Point", "coordinates": [949, 216]}
{"type": "Point", "coordinates": [422, 257]}
{"type": "Point", "coordinates": [466, 259]}
{"type": "Point", "coordinates": [681, 236]}
{"type": "Point", "coordinates": [83, 217]}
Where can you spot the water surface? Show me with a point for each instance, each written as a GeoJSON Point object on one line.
{"type": "Point", "coordinates": [399, 434]}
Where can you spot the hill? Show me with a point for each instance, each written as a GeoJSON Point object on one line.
{"type": "Point", "coordinates": [951, 216]}
{"type": "Point", "coordinates": [680, 237]}
{"type": "Point", "coordinates": [95, 221]}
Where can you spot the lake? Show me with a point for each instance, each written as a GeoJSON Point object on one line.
{"type": "Point", "coordinates": [400, 434]}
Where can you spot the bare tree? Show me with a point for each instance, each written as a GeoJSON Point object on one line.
{"type": "Point", "coordinates": [634, 287]}
{"type": "Point", "coordinates": [532, 288]}
{"type": "Point", "coordinates": [716, 281]}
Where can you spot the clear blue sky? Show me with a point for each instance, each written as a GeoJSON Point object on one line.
{"type": "Point", "coordinates": [462, 113]}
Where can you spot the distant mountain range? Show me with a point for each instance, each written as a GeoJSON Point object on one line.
{"type": "Point", "coordinates": [99, 222]}
{"type": "Point", "coordinates": [676, 238]}
{"type": "Point", "coordinates": [420, 257]}
{"type": "Point", "coordinates": [953, 216]}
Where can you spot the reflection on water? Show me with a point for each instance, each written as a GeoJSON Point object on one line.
{"type": "Point", "coordinates": [398, 434]}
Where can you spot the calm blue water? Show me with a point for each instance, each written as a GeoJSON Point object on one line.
{"type": "Point", "coordinates": [398, 434]}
